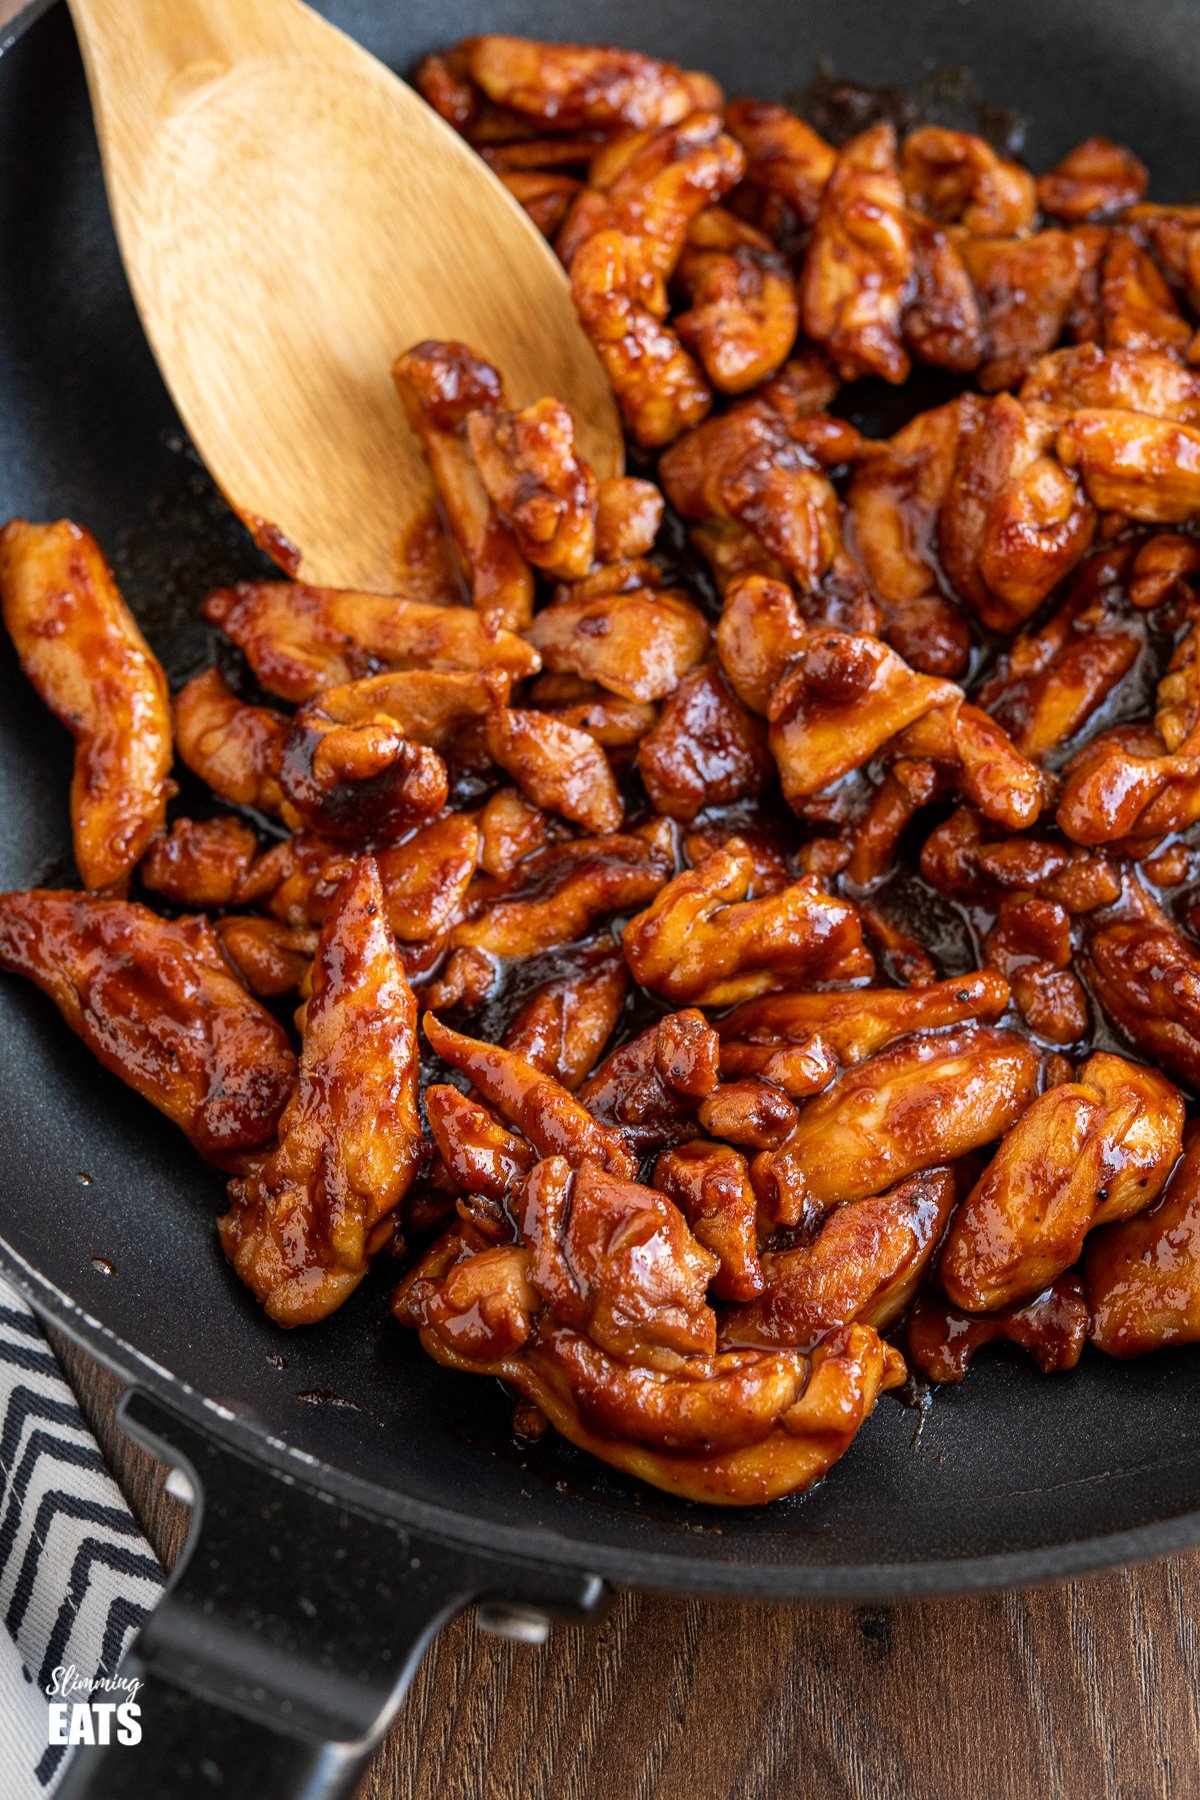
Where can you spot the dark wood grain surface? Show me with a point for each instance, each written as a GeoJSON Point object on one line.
{"type": "Point", "coordinates": [1085, 1690]}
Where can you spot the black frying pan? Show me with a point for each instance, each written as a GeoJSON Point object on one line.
{"type": "Point", "coordinates": [354, 1494]}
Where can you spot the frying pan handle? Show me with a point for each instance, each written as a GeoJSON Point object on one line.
{"type": "Point", "coordinates": [192, 1746]}
{"type": "Point", "coordinates": [288, 1633]}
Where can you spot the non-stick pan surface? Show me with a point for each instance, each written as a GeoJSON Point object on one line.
{"type": "Point", "coordinates": [105, 1214]}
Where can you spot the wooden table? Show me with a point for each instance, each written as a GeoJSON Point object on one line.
{"type": "Point", "coordinates": [1086, 1690]}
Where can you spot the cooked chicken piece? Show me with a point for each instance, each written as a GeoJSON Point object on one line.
{"type": "Point", "coordinates": [738, 1428]}
{"type": "Point", "coordinates": [751, 1112]}
{"type": "Point", "coordinates": [759, 637]}
{"type": "Point", "coordinates": [703, 942]}
{"type": "Point", "coordinates": [445, 84]}
{"type": "Point", "coordinates": [919, 1104]}
{"type": "Point", "coordinates": [747, 466]}
{"type": "Point", "coordinates": [636, 645]}
{"type": "Point", "coordinates": [651, 1087]}
{"type": "Point", "coordinates": [358, 782]}
{"type": "Point", "coordinates": [570, 87]}
{"type": "Point", "coordinates": [958, 179]}
{"type": "Point", "coordinates": [156, 1003]}
{"type": "Point", "coordinates": [564, 1027]}
{"type": "Point", "coordinates": [710, 1184]}
{"type": "Point", "coordinates": [650, 185]}
{"type": "Point", "coordinates": [1053, 1327]}
{"type": "Point", "coordinates": [538, 485]}
{"type": "Point", "coordinates": [233, 747]}
{"type": "Point", "coordinates": [1137, 310]}
{"type": "Point", "coordinates": [509, 829]}
{"type": "Point", "coordinates": [607, 579]}
{"type": "Point", "coordinates": [302, 1225]}
{"type": "Point", "coordinates": [555, 151]}
{"type": "Point", "coordinates": [705, 750]}
{"type": "Point", "coordinates": [425, 878]}
{"type": "Point", "coordinates": [616, 1261]}
{"type": "Point", "coordinates": [556, 895]}
{"type": "Point", "coordinates": [1177, 713]}
{"type": "Point", "coordinates": [1013, 522]}
{"type": "Point", "coordinates": [272, 959]}
{"type": "Point", "coordinates": [783, 154]}
{"type": "Point", "coordinates": [1142, 1276]}
{"type": "Point", "coordinates": [427, 562]}
{"type": "Point", "coordinates": [552, 1120]}
{"type": "Point", "coordinates": [761, 1036]}
{"type": "Point", "coordinates": [1094, 180]}
{"type": "Point", "coordinates": [742, 314]}
{"type": "Point", "coordinates": [1031, 944]}
{"type": "Point", "coordinates": [430, 706]}
{"type": "Point", "coordinates": [660, 389]}
{"type": "Point", "coordinates": [942, 321]}
{"type": "Point", "coordinates": [905, 786]}
{"type": "Point", "coordinates": [1026, 287]}
{"type": "Point", "coordinates": [1087, 378]}
{"type": "Point", "coordinates": [480, 1156]}
{"type": "Point", "coordinates": [300, 639]}
{"type": "Point", "coordinates": [977, 758]}
{"type": "Point", "coordinates": [1050, 682]}
{"type": "Point", "coordinates": [892, 507]}
{"type": "Point", "coordinates": [628, 514]}
{"type": "Point", "coordinates": [1147, 469]}
{"type": "Point", "coordinates": [845, 696]}
{"type": "Point", "coordinates": [80, 646]}
{"type": "Point", "coordinates": [1086, 1153]}
{"type": "Point", "coordinates": [865, 1263]}
{"type": "Point", "coordinates": [1173, 233]}
{"type": "Point", "coordinates": [546, 197]}
{"type": "Point", "coordinates": [1141, 782]}
{"type": "Point", "coordinates": [1146, 976]}
{"type": "Point", "coordinates": [958, 860]}
{"type": "Point", "coordinates": [296, 879]}
{"type": "Point", "coordinates": [200, 862]}
{"type": "Point", "coordinates": [556, 766]}
{"type": "Point", "coordinates": [772, 869]}
{"type": "Point", "coordinates": [1163, 569]}
{"type": "Point", "coordinates": [443, 386]}
{"type": "Point", "coordinates": [615, 724]}
{"type": "Point", "coordinates": [1121, 785]}
{"type": "Point", "coordinates": [859, 262]}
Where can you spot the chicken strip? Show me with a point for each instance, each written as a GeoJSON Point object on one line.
{"type": "Point", "coordinates": [1085, 1153]}
{"type": "Point", "coordinates": [1142, 1276]}
{"type": "Point", "coordinates": [157, 1004]}
{"type": "Point", "coordinates": [865, 1263]}
{"type": "Point", "coordinates": [80, 646]}
{"type": "Point", "coordinates": [302, 1225]}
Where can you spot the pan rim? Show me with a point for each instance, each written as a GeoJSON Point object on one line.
{"type": "Point", "coordinates": [629, 1567]}
{"type": "Point", "coordinates": [747, 1575]}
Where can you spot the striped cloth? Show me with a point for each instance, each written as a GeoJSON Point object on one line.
{"type": "Point", "coordinates": [76, 1575]}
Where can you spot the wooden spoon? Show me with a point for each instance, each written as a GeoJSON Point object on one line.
{"type": "Point", "coordinates": [292, 217]}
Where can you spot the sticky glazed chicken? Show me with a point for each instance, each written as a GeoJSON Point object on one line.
{"type": "Point", "coordinates": [721, 937]}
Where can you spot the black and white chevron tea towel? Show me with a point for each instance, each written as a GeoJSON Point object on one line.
{"type": "Point", "coordinates": [76, 1575]}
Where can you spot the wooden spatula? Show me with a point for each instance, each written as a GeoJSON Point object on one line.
{"type": "Point", "coordinates": [291, 217]}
